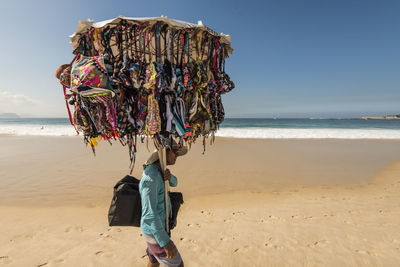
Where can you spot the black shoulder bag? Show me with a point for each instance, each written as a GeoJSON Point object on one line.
{"type": "Point", "coordinates": [126, 204]}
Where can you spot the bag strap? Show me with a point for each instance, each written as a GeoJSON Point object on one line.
{"type": "Point", "coordinates": [203, 44]}
{"type": "Point", "coordinates": [69, 111]}
{"type": "Point", "coordinates": [182, 41]}
{"type": "Point", "coordinates": [224, 53]}
{"type": "Point", "coordinates": [134, 39]}
{"type": "Point", "coordinates": [187, 46]}
{"type": "Point", "coordinates": [65, 97]}
{"type": "Point", "coordinates": [119, 40]}
{"type": "Point", "coordinates": [157, 28]}
{"type": "Point", "coordinates": [172, 46]}
{"type": "Point", "coordinates": [210, 51]}
{"type": "Point", "coordinates": [167, 44]}
{"type": "Point", "coordinates": [215, 54]}
{"type": "Point", "coordinates": [177, 47]}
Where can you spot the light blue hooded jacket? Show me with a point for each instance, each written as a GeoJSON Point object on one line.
{"type": "Point", "coordinates": [151, 188]}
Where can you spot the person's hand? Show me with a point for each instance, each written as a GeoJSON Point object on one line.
{"type": "Point", "coordinates": [167, 175]}
{"type": "Point", "coordinates": [170, 249]}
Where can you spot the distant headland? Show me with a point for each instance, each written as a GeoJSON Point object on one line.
{"type": "Point", "coordinates": [387, 117]}
{"type": "Point", "coordinates": [8, 116]}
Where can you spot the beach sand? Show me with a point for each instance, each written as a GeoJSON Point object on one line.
{"type": "Point", "coordinates": [247, 203]}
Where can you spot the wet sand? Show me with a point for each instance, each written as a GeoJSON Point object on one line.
{"type": "Point", "coordinates": [247, 203]}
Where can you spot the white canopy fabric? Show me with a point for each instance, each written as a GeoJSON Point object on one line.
{"type": "Point", "coordinates": [85, 25]}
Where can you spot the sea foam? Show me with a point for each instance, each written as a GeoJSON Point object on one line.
{"type": "Point", "coordinates": [251, 132]}
{"type": "Point", "coordinates": [286, 133]}
{"type": "Point", "coordinates": [37, 130]}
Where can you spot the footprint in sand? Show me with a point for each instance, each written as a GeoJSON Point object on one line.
{"type": "Point", "coordinates": [320, 243]}
{"type": "Point", "coordinates": [106, 238]}
{"type": "Point", "coordinates": [114, 230]}
{"type": "Point", "coordinates": [192, 244]}
{"type": "Point", "coordinates": [365, 252]}
{"type": "Point", "coordinates": [304, 217]}
{"type": "Point", "coordinates": [243, 249]}
{"type": "Point", "coordinates": [104, 254]}
{"type": "Point", "coordinates": [108, 255]}
{"type": "Point", "coordinates": [75, 229]}
{"type": "Point", "coordinates": [187, 240]}
{"type": "Point", "coordinates": [5, 259]}
{"type": "Point", "coordinates": [274, 218]}
{"type": "Point", "coordinates": [209, 213]}
{"type": "Point", "coordinates": [385, 211]}
{"type": "Point", "coordinates": [269, 245]}
{"type": "Point", "coordinates": [21, 237]}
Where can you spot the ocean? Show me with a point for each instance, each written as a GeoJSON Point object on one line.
{"type": "Point", "coordinates": [238, 128]}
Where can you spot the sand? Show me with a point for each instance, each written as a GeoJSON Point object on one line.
{"type": "Point", "coordinates": [247, 203]}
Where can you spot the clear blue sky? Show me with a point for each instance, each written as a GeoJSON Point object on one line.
{"type": "Point", "coordinates": [291, 59]}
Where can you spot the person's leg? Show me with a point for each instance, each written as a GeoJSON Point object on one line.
{"type": "Point", "coordinates": [150, 264]}
{"type": "Point", "coordinates": [157, 254]}
{"type": "Point", "coordinates": [161, 257]}
{"type": "Point", "coordinates": [152, 260]}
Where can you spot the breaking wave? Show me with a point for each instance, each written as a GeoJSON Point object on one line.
{"type": "Point", "coordinates": [331, 133]}
{"type": "Point", "coordinates": [37, 130]}
{"type": "Point", "coordinates": [232, 132]}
